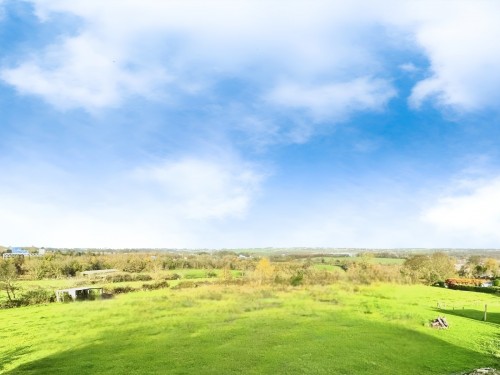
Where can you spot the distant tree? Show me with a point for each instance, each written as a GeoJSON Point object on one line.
{"type": "Point", "coordinates": [227, 276]}
{"type": "Point", "coordinates": [264, 270]}
{"type": "Point", "coordinates": [415, 266]}
{"type": "Point", "coordinates": [492, 267]}
{"type": "Point", "coordinates": [429, 268]}
{"type": "Point", "coordinates": [477, 266]}
{"type": "Point", "coordinates": [8, 278]}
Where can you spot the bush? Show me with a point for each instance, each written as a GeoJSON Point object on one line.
{"type": "Point", "coordinates": [31, 297]}
{"type": "Point", "coordinates": [37, 296]}
{"type": "Point", "coordinates": [120, 289]}
{"type": "Point", "coordinates": [297, 279]}
{"type": "Point", "coordinates": [185, 284]}
{"type": "Point", "coordinates": [142, 277]}
{"type": "Point", "coordinates": [464, 282]}
{"type": "Point", "coordinates": [10, 304]}
{"type": "Point", "coordinates": [118, 277]}
{"type": "Point", "coordinates": [173, 276]}
{"type": "Point", "coordinates": [496, 282]}
{"type": "Point", "coordinates": [154, 286]}
{"type": "Point", "coordinates": [124, 277]}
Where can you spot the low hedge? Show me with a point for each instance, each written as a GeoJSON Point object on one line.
{"type": "Point", "coordinates": [480, 289]}
{"type": "Point", "coordinates": [31, 297]}
{"type": "Point", "coordinates": [154, 286]}
{"type": "Point", "coordinates": [124, 277]}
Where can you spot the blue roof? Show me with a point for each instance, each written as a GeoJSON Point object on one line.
{"type": "Point", "coordinates": [18, 250]}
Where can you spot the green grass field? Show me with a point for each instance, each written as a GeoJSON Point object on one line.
{"type": "Point", "coordinates": [339, 329]}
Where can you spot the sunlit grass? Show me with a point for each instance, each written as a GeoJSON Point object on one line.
{"type": "Point", "coordinates": [342, 329]}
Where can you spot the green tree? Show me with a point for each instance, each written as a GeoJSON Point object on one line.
{"type": "Point", "coordinates": [429, 268]}
{"type": "Point", "coordinates": [474, 267]}
{"type": "Point", "coordinates": [492, 266]}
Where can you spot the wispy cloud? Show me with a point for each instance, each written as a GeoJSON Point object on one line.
{"type": "Point", "coordinates": [84, 72]}
{"type": "Point", "coordinates": [199, 188]}
{"type": "Point", "coordinates": [171, 202]}
{"type": "Point", "coordinates": [163, 49]}
{"type": "Point", "coordinates": [460, 43]}
{"type": "Point", "coordinates": [470, 218]}
{"type": "Point", "coordinates": [334, 101]}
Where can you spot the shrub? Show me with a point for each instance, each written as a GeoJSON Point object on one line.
{"type": "Point", "coordinates": [297, 279]}
{"type": "Point", "coordinates": [142, 277]}
{"type": "Point", "coordinates": [120, 289]}
{"type": "Point", "coordinates": [118, 277]}
{"type": "Point", "coordinates": [123, 277]}
{"type": "Point", "coordinates": [173, 276]}
{"type": "Point", "coordinates": [37, 296]}
{"type": "Point", "coordinates": [157, 285]}
{"type": "Point", "coordinates": [10, 304]}
{"type": "Point", "coordinates": [185, 284]}
{"type": "Point", "coordinates": [464, 281]}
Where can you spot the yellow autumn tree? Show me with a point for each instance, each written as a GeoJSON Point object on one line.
{"type": "Point", "coordinates": [264, 271]}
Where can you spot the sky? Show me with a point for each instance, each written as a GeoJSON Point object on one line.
{"type": "Point", "coordinates": [241, 123]}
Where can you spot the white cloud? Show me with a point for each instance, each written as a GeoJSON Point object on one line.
{"type": "Point", "coordinates": [469, 218]}
{"type": "Point", "coordinates": [409, 67]}
{"type": "Point", "coordinates": [138, 47]}
{"type": "Point", "coordinates": [335, 100]}
{"type": "Point", "coordinates": [172, 203]}
{"type": "Point", "coordinates": [460, 40]}
{"type": "Point", "coordinates": [26, 220]}
{"type": "Point", "coordinates": [83, 71]}
{"type": "Point", "coordinates": [200, 189]}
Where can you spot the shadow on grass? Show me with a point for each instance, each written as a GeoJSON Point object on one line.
{"type": "Point", "coordinates": [13, 355]}
{"type": "Point", "coordinates": [474, 314]}
{"type": "Point", "coordinates": [264, 346]}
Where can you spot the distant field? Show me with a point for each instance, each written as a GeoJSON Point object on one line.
{"type": "Point", "coordinates": [340, 329]}
{"type": "Point", "coordinates": [388, 260]}
{"type": "Point", "coordinates": [333, 260]}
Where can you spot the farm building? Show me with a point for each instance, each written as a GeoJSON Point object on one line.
{"type": "Point", "coordinates": [16, 252]}
{"type": "Point", "coordinates": [81, 293]}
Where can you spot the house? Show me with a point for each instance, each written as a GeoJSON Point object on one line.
{"type": "Point", "coordinates": [16, 252]}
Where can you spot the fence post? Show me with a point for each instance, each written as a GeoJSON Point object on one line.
{"type": "Point", "coordinates": [485, 311]}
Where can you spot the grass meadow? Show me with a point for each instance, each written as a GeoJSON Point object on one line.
{"type": "Point", "coordinates": [217, 329]}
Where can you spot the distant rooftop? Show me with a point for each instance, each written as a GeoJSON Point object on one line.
{"type": "Point", "coordinates": [18, 250]}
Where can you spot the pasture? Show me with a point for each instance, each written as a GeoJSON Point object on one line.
{"type": "Point", "coordinates": [243, 329]}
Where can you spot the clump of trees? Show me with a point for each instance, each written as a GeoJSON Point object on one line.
{"type": "Point", "coordinates": [477, 266]}
{"type": "Point", "coordinates": [220, 267]}
{"type": "Point", "coordinates": [429, 269]}
{"type": "Point", "coordinates": [63, 265]}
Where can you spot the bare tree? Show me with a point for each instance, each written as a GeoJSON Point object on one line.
{"type": "Point", "coordinates": [8, 278]}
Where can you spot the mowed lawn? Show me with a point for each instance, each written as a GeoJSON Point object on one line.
{"type": "Point", "coordinates": [340, 329]}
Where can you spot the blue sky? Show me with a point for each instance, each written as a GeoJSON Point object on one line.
{"type": "Point", "coordinates": [219, 124]}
